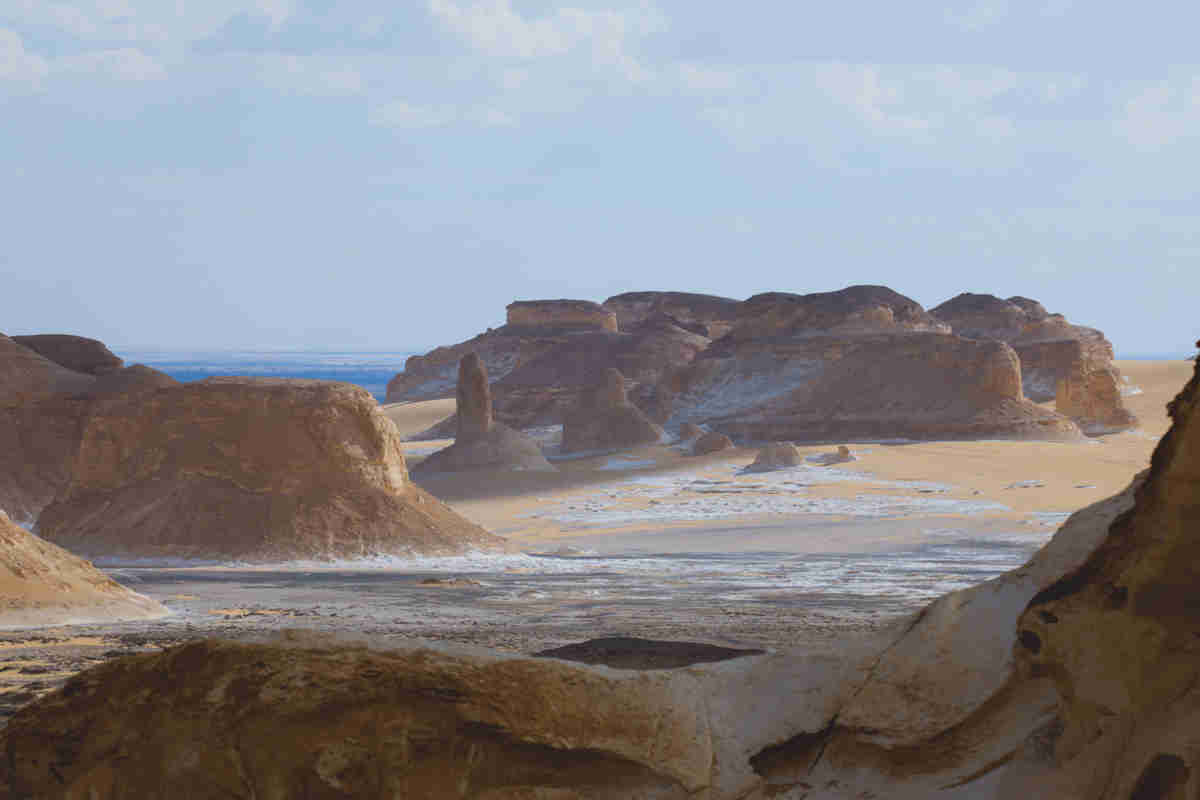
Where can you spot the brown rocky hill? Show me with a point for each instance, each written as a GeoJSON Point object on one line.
{"type": "Point", "coordinates": [252, 469]}
{"type": "Point", "coordinates": [706, 314]}
{"type": "Point", "coordinates": [861, 363]}
{"type": "Point", "coordinates": [76, 353]}
{"type": "Point", "coordinates": [42, 584]}
{"type": "Point", "coordinates": [1070, 364]}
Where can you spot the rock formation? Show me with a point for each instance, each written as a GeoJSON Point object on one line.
{"type": "Point", "coordinates": [860, 363]}
{"type": "Point", "coordinates": [1073, 677]}
{"type": "Point", "coordinates": [76, 353]}
{"type": "Point", "coordinates": [689, 431]}
{"type": "Point", "coordinates": [840, 456]}
{"type": "Point", "coordinates": [715, 314]}
{"type": "Point", "coordinates": [252, 469]}
{"type": "Point", "coordinates": [41, 584]}
{"type": "Point", "coordinates": [711, 442]}
{"type": "Point", "coordinates": [1070, 364]}
{"type": "Point", "coordinates": [606, 420]}
{"type": "Point", "coordinates": [561, 314]}
{"type": "Point", "coordinates": [777, 455]}
{"type": "Point", "coordinates": [482, 443]}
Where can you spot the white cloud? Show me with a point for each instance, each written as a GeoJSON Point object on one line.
{"type": "Point", "coordinates": [18, 64]}
{"type": "Point", "coordinates": [121, 64]}
{"type": "Point", "coordinates": [401, 114]}
{"type": "Point", "coordinates": [1162, 113]}
{"type": "Point", "coordinates": [704, 78]}
{"type": "Point", "coordinates": [304, 75]}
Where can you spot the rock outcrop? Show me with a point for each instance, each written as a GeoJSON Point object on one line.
{"type": "Point", "coordinates": [76, 353]}
{"type": "Point", "coordinates": [41, 584]}
{"type": "Point", "coordinates": [250, 469]}
{"type": "Point", "coordinates": [606, 420]}
{"type": "Point", "coordinates": [689, 431]}
{"type": "Point", "coordinates": [711, 442]}
{"type": "Point", "coordinates": [777, 455]}
{"type": "Point", "coordinates": [714, 315]}
{"type": "Point", "coordinates": [482, 443]}
{"type": "Point", "coordinates": [864, 363]}
{"type": "Point", "coordinates": [561, 314]}
{"type": "Point", "coordinates": [1070, 364]}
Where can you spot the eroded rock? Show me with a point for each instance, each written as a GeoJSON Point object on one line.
{"type": "Point", "coordinates": [606, 420]}
{"type": "Point", "coordinates": [777, 455]}
{"type": "Point", "coordinates": [711, 442]}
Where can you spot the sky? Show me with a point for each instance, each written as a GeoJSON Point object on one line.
{"type": "Point", "coordinates": [363, 174]}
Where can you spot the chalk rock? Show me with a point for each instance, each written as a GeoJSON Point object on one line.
{"type": "Point", "coordinates": [482, 443]}
{"type": "Point", "coordinates": [606, 420]}
{"type": "Point", "coordinates": [76, 353]}
{"type": "Point", "coordinates": [711, 442]}
{"type": "Point", "coordinates": [42, 584]}
{"type": "Point", "coordinates": [777, 455]}
{"type": "Point", "coordinates": [839, 456]}
{"type": "Point", "coordinates": [1052, 352]}
{"type": "Point", "coordinates": [249, 468]}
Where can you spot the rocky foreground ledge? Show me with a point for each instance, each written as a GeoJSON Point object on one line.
{"type": "Point", "coordinates": [1072, 677]}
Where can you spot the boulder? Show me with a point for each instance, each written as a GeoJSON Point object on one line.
{"type": "Point", "coordinates": [839, 456]}
{"type": "Point", "coordinates": [482, 443]}
{"type": "Point", "coordinates": [778, 455]}
{"type": "Point", "coordinates": [255, 469]}
{"type": "Point", "coordinates": [606, 420]}
{"type": "Point", "coordinates": [76, 353]}
{"type": "Point", "coordinates": [41, 584]}
{"type": "Point", "coordinates": [1053, 352]}
{"type": "Point", "coordinates": [711, 442]}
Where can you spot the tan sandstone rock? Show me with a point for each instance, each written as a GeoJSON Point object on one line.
{"type": "Point", "coordinates": [777, 455]}
{"type": "Point", "coordinates": [42, 584]}
{"type": "Point", "coordinates": [249, 468]}
{"type": "Point", "coordinates": [606, 420]}
{"type": "Point", "coordinates": [581, 314]}
{"type": "Point", "coordinates": [482, 443]}
{"type": "Point", "coordinates": [711, 442]}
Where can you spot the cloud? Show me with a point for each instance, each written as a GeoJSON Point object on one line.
{"type": "Point", "coordinates": [401, 114]}
{"type": "Point", "coordinates": [121, 64]}
{"type": "Point", "coordinates": [17, 64]}
{"type": "Point", "coordinates": [1162, 113]}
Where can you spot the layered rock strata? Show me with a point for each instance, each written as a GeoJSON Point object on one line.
{"type": "Point", "coordinates": [606, 420]}
{"type": "Point", "coordinates": [1070, 364]}
{"type": "Point", "coordinates": [859, 364]}
{"type": "Point", "coordinates": [252, 469]}
{"type": "Point", "coordinates": [714, 315]}
{"type": "Point", "coordinates": [42, 584]}
{"type": "Point", "coordinates": [481, 442]}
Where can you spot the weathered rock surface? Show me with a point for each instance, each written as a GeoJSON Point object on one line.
{"type": "Point", "coordinates": [42, 584]}
{"type": "Point", "coordinates": [840, 456]}
{"type": "Point", "coordinates": [880, 368]}
{"type": "Point", "coordinates": [777, 455]}
{"type": "Point", "coordinates": [76, 353]}
{"type": "Point", "coordinates": [248, 468]}
{"type": "Point", "coordinates": [626, 652]}
{"type": "Point", "coordinates": [689, 431]}
{"type": "Point", "coordinates": [482, 443]}
{"type": "Point", "coordinates": [606, 420]}
{"type": "Point", "coordinates": [581, 314]}
{"type": "Point", "coordinates": [1070, 364]}
{"type": "Point", "coordinates": [711, 442]}
{"type": "Point", "coordinates": [715, 314]}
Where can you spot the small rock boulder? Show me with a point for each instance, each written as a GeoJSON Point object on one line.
{"type": "Point", "coordinates": [839, 456]}
{"type": "Point", "coordinates": [482, 443]}
{"type": "Point", "coordinates": [711, 442]}
{"type": "Point", "coordinates": [606, 420]}
{"type": "Point", "coordinates": [777, 455]}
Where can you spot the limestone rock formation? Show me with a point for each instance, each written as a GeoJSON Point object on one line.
{"type": "Point", "coordinates": [252, 469]}
{"type": "Point", "coordinates": [711, 442]}
{"type": "Point", "coordinates": [482, 443]}
{"type": "Point", "coordinates": [41, 584]}
{"type": "Point", "coordinates": [606, 420]}
{"type": "Point", "coordinates": [840, 456]}
{"type": "Point", "coordinates": [777, 455]}
{"type": "Point", "coordinates": [579, 314]}
{"type": "Point", "coordinates": [689, 431]}
{"type": "Point", "coordinates": [715, 314]}
{"type": "Point", "coordinates": [76, 353]}
{"type": "Point", "coordinates": [864, 363]}
{"type": "Point", "coordinates": [1070, 364]}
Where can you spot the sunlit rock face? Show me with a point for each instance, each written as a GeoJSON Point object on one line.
{"type": "Point", "coordinates": [248, 468]}
{"type": "Point", "coordinates": [482, 443]}
{"type": "Point", "coordinates": [861, 363]}
{"type": "Point", "coordinates": [42, 584]}
{"type": "Point", "coordinates": [1070, 364]}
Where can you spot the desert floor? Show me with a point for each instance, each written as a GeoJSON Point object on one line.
{"type": "Point", "coordinates": [657, 543]}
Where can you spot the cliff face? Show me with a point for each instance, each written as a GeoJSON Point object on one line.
{"type": "Point", "coordinates": [41, 584]}
{"type": "Point", "coordinates": [561, 314]}
{"type": "Point", "coordinates": [248, 468]}
{"type": "Point", "coordinates": [862, 363]}
{"type": "Point", "coordinates": [1070, 364]}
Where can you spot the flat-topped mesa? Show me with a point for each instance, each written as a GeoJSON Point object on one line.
{"type": "Point", "coordinates": [42, 584]}
{"type": "Point", "coordinates": [1070, 364]}
{"type": "Point", "coordinates": [77, 353]}
{"type": "Point", "coordinates": [482, 443]}
{"type": "Point", "coordinates": [863, 363]}
{"type": "Point", "coordinates": [254, 469]}
{"type": "Point", "coordinates": [561, 314]}
{"type": "Point", "coordinates": [716, 315]}
{"type": "Point", "coordinates": [606, 420]}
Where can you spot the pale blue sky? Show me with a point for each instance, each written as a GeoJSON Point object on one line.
{"type": "Point", "coordinates": [380, 175]}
